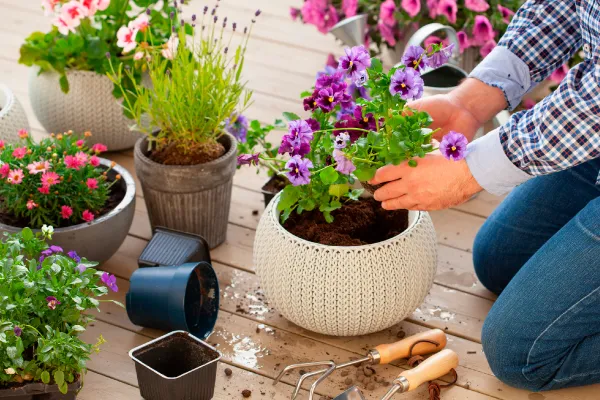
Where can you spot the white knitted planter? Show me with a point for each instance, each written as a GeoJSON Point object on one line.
{"type": "Point", "coordinates": [345, 291]}
{"type": "Point", "coordinates": [89, 106]}
{"type": "Point", "coordinates": [12, 115]}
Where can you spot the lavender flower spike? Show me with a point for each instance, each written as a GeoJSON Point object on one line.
{"type": "Point", "coordinates": [454, 146]}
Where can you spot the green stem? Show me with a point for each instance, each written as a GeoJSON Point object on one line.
{"type": "Point", "coordinates": [31, 327]}
{"type": "Point", "coordinates": [123, 14]}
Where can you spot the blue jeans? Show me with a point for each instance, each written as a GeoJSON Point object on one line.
{"type": "Point", "coordinates": [540, 251]}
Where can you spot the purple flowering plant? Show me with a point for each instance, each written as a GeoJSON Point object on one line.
{"type": "Point", "coordinates": [45, 294]}
{"type": "Point", "coordinates": [348, 137]}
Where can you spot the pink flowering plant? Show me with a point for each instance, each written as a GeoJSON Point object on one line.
{"type": "Point", "coordinates": [347, 139]}
{"type": "Point", "coordinates": [57, 181]}
{"type": "Point", "coordinates": [85, 31]}
{"type": "Point", "coordinates": [45, 294]}
{"type": "Point", "coordinates": [480, 23]}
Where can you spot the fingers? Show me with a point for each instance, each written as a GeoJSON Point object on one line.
{"type": "Point", "coordinates": [391, 190]}
{"type": "Point", "coordinates": [400, 203]}
{"type": "Point", "coordinates": [389, 173]}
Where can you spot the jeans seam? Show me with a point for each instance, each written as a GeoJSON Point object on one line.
{"type": "Point", "coordinates": [586, 230]}
{"type": "Point", "coordinates": [576, 376]}
{"type": "Point", "coordinates": [550, 326]}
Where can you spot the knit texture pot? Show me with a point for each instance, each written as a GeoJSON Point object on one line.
{"type": "Point", "coordinates": [100, 239]}
{"type": "Point", "coordinates": [189, 198]}
{"type": "Point", "coordinates": [89, 106]}
{"type": "Point", "coordinates": [345, 291]}
{"type": "Point", "coordinates": [12, 116]}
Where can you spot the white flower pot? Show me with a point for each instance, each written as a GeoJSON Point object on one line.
{"type": "Point", "coordinates": [89, 106]}
{"type": "Point", "coordinates": [12, 116]}
{"type": "Point", "coordinates": [345, 291]}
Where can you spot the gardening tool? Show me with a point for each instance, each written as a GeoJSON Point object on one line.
{"type": "Point", "coordinates": [423, 343]}
{"type": "Point", "coordinates": [351, 31]}
{"type": "Point", "coordinates": [434, 367]}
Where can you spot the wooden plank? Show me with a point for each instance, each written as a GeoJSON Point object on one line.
{"type": "Point", "coordinates": [100, 387]}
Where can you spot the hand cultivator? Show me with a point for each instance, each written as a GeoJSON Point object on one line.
{"type": "Point", "coordinates": [417, 345]}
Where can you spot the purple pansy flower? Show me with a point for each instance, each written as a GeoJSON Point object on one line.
{"type": "Point", "coordinates": [329, 71]}
{"type": "Point", "coordinates": [313, 124]}
{"type": "Point", "coordinates": [81, 268]}
{"type": "Point", "coordinates": [344, 165]}
{"type": "Point", "coordinates": [297, 141]}
{"type": "Point", "coordinates": [18, 331]}
{"type": "Point", "coordinates": [52, 302]}
{"type": "Point", "coordinates": [298, 173]}
{"type": "Point", "coordinates": [454, 146]}
{"type": "Point", "coordinates": [110, 281]}
{"type": "Point", "coordinates": [74, 256]}
{"type": "Point", "coordinates": [441, 57]}
{"type": "Point", "coordinates": [365, 121]}
{"type": "Point", "coordinates": [331, 96]}
{"type": "Point", "coordinates": [239, 128]}
{"type": "Point", "coordinates": [414, 58]}
{"type": "Point", "coordinates": [325, 80]}
{"type": "Point", "coordinates": [310, 103]}
{"type": "Point", "coordinates": [356, 60]}
{"type": "Point", "coordinates": [339, 141]}
{"type": "Point", "coordinates": [248, 159]}
{"type": "Point", "coordinates": [407, 83]}
{"type": "Point", "coordinates": [52, 250]}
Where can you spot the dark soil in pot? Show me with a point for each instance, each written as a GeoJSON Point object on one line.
{"type": "Point", "coordinates": [275, 185]}
{"type": "Point", "coordinates": [358, 223]}
{"type": "Point", "coordinates": [172, 154]}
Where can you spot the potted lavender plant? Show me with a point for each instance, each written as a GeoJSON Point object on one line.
{"type": "Point", "coordinates": [321, 247]}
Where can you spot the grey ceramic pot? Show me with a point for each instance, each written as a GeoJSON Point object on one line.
{"type": "Point", "coordinates": [100, 239]}
{"type": "Point", "coordinates": [189, 198]}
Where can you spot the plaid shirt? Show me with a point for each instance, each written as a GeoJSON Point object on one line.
{"type": "Point", "coordinates": [563, 130]}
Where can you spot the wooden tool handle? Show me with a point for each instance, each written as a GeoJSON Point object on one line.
{"type": "Point", "coordinates": [401, 349]}
{"type": "Point", "coordinates": [433, 368]}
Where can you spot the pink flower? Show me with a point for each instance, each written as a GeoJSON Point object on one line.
{"type": "Point", "coordinates": [91, 6]}
{"type": "Point", "coordinates": [80, 143]}
{"type": "Point", "coordinates": [431, 40]}
{"type": "Point", "coordinates": [126, 38]}
{"type": "Point", "coordinates": [72, 12]}
{"type": "Point", "coordinates": [448, 8]}
{"type": "Point", "coordinates": [487, 48]}
{"type": "Point", "coordinates": [15, 176]}
{"type": "Point", "coordinates": [294, 12]}
{"type": "Point", "coordinates": [44, 190]}
{"type": "Point", "coordinates": [560, 74]}
{"type": "Point", "coordinates": [529, 103]}
{"type": "Point", "coordinates": [99, 148]}
{"type": "Point", "coordinates": [102, 4]}
{"type": "Point", "coordinates": [507, 13]}
{"type": "Point", "coordinates": [94, 161]}
{"type": "Point", "coordinates": [82, 158]}
{"type": "Point", "coordinates": [319, 14]}
{"type": "Point", "coordinates": [19, 152]}
{"type": "Point", "coordinates": [23, 133]}
{"type": "Point", "coordinates": [386, 13]}
{"type": "Point", "coordinates": [38, 167]}
{"type": "Point", "coordinates": [412, 7]}
{"type": "Point", "coordinates": [92, 183]}
{"type": "Point", "coordinates": [140, 23]}
{"type": "Point", "coordinates": [170, 47]}
{"type": "Point", "coordinates": [477, 5]}
{"type": "Point", "coordinates": [331, 61]}
{"type": "Point", "coordinates": [50, 178]}
{"type": "Point", "coordinates": [138, 56]}
{"type": "Point", "coordinates": [387, 34]}
{"type": "Point", "coordinates": [463, 40]}
{"type": "Point", "coordinates": [31, 205]}
{"type": "Point", "coordinates": [72, 162]}
{"type": "Point", "coordinates": [349, 7]}
{"type": "Point", "coordinates": [66, 212]}
{"type": "Point", "coordinates": [483, 31]}
{"type": "Point", "coordinates": [87, 216]}
{"type": "Point", "coordinates": [49, 6]}
{"type": "Point", "coordinates": [433, 5]}
{"type": "Point", "coordinates": [2, 145]}
{"type": "Point", "coordinates": [4, 170]}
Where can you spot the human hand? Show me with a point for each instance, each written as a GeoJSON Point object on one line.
{"type": "Point", "coordinates": [435, 184]}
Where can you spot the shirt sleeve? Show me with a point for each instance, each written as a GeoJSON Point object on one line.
{"type": "Point", "coordinates": [542, 36]}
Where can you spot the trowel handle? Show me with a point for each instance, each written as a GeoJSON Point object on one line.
{"type": "Point", "coordinates": [401, 349]}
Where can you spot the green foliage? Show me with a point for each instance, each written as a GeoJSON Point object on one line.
{"type": "Point", "coordinates": [40, 341]}
{"type": "Point", "coordinates": [256, 141]}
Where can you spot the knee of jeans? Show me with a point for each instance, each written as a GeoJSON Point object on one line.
{"type": "Point", "coordinates": [485, 256]}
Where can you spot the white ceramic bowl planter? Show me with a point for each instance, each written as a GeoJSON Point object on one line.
{"type": "Point", "coordinates": [12, 116]}
{"type": "Point", "coordinates": [89, 106]}
{"type": "Point", "coordinates": [345, 291]}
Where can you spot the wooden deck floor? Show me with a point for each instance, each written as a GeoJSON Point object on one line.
{"type": "Point", "coordinates": [282, 61]}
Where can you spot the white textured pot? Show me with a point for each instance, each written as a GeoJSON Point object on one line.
{"type": "Point", "coordinates": [12, 116]}
{"type": "Point", "coordinates": [89, 106]}
{"type": "Point", "coordinates": [345, 291]}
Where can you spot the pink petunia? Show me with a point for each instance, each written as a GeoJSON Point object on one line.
{"type": "Point", "coordinates": [483, 31]}
{"type": "Point", "coordinates": [431, 40]}
{"type": "Point", "coordinates": [38, 167]}
{"type": "Point", "coordinates": [507, 14]}
{"type": "Point", "coordinates": [560, 74]}
{"type": "Point", "coordinates": [50, 178]}
{"type": "Point", "coordinates": [99, 148]}
{"type": "Point", "coordinates": [23, 133]}
{"type": "Point", "coordinates": [66, 212]}
{"type": "Point", "coordinates": [412, 7]}
{"type": "Point", "coordinates": [349, 7]}
{"type": "Point", "coordinates": [15, 176]}
{"type": "Point", "coordinates": [433, 5]}
{"type": "Point", "coordinates": [94, 161]}
{"type": "Point", "coordinates": [463, 40]}
{"type": "Point", "coordinates": [386, 13]}
{"type": "Point", "coordinates": [19, 152]}
{"type": "Point", "coordinates": [44, 190]}
{"type": "Point", "coordinates": [126, 38]}
{"type": "Point", "coordinates": [141, 23]}
{"type": "Point", "coordinates": [487, 48]}
{"type": "Point", "coordinates": [477, 5]}
{"type": "Point", "coordinates": [294, 13]}
{"type": "Point", "coordinates": [449, 9]}
{"type": "Point", "coordinates": [87, 216]}
{"type": "Point", "coordinates": [4, 170]}
{"type": "Point", "coordinates": [92, 183]}
{"type": "Point", "coordinates": [31, 205]}
{"type": "Point", "coordinates": [387, 34]}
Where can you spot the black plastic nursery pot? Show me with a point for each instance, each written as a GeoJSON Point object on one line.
{"type": "Point", "coordinates": [177, 366]}
{"type": "Point", "coordinates": [171, 247]}
{"type": "Point", "coordinates": [184, 297]}
{"type": "Point", "coordinates": [267, 191]}
{"type": "Point", "coordinates": [40, 391]}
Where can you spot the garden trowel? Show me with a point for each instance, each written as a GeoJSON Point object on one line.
{"type": "Point", "coordinates": [433, 368]}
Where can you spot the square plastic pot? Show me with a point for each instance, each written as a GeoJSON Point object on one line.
{"type": "Point", "coordinates": [177, 366]}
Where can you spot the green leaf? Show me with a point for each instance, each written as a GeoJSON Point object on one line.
{"type": "Point", "coordinates": [289, 196]}
{"type": "Point", "coordinates": [376, 65]}
{"type": "Point", "coordinates": [328, 216]}
{"type": "Point", "coordinates": [306, 93]}
{"type": "Point", "coordinates": [11, 351]}
{"type": "Point", "coordinates": [78, 328]}
{"type": "Point", "coordinates": [255, 125]}
{"type": "Point", "coordinates": [365, 174]}
{"type": "Point", "coordinates": [63, 387]}
{"type": "Point", "coordinates": [26, 234]}
{"type": "Point", "coordinates": [355, 194]}
{"type": "Point", "coordinates": [64, 84]}
{"type": "Point", "coordinates": [307, 204]}
{"type": "Point", "coordinates": [291, 116]}
{"type": "Point", "coordinates": [412, 163]}
{"type": "Point", "coordinates": [339, 190]}
{"type": "Point", "coordinates": [329, 175]}
{"type": "Point", "coordinates": [45, 377]}
{"type": "Point", "coordinates": [59, 377]}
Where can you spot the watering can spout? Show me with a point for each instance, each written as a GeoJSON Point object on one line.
{"type": "Point", "coordinates": [351, 31]}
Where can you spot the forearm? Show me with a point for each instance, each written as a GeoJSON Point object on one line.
{"type": "Point", "coordinates": [481, 100]}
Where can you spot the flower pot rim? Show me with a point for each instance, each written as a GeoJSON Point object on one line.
{"type": "Point", "coordinates": [138, 150]}
{"type": "Point", "coordinates": [272, 212]}
{"type": "Point", "coordinates": [129, 197]}
{"type": "Point", "coordinates": [135, 359]}
{"type": "Point", "coordinates": [9, 100]}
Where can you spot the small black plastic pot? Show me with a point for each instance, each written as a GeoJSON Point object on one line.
{"type": "Point", "coordinates": [177, 366]}
{"type": "Point", "coordinates": [171, 247]}
{"type": "Point", "coordinates": [40, 391]}
{"type": "Point", "coordinates": [267, 194]}
{"type": "Point", "coordinates": [184, 297]}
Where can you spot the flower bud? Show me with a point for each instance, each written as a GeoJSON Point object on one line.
{"type": "Point", "coordinates": [118, 177]}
